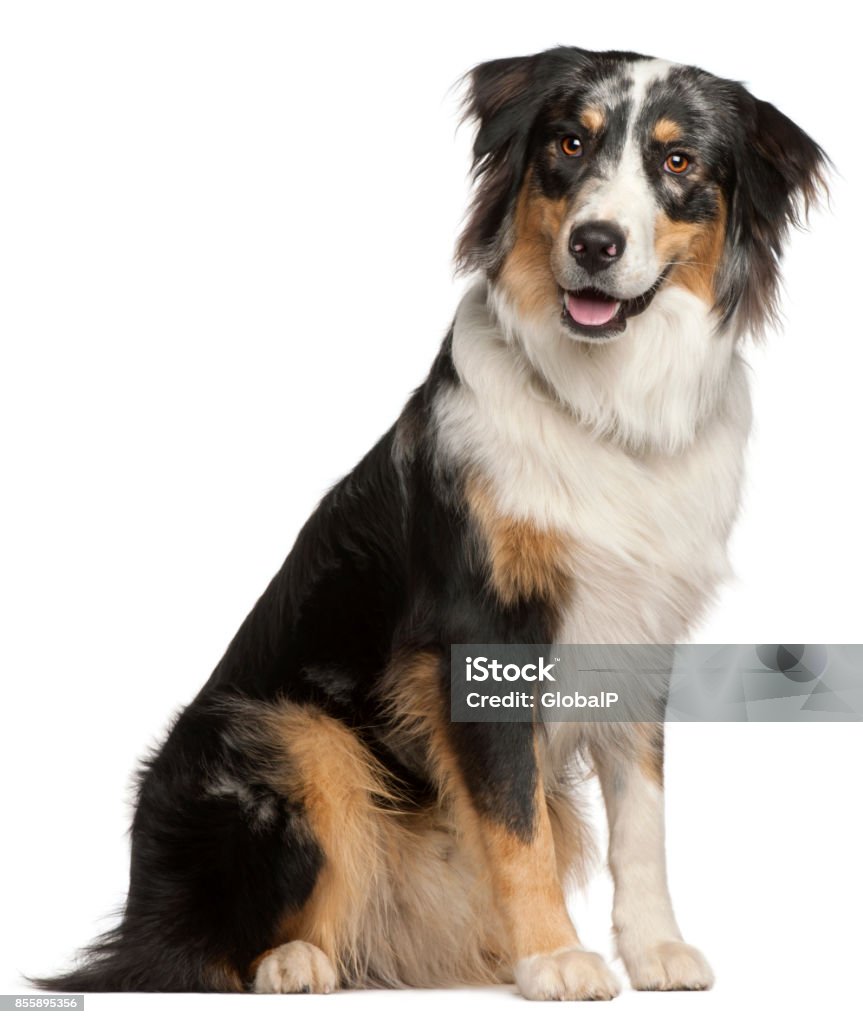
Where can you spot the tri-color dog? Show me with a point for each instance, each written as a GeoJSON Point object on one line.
{"type": "Point", "coordinates": [568, 472]}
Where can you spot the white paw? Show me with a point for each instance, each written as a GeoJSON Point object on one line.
{"type": "Point", "coordinates": [669, 966]}
{"type": "Point", "coordinates": [567, 974]}
{"type": "Point", "coordinates": [296, 967]}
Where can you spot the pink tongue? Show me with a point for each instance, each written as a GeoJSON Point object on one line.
{"type": "Point", "coordinates": [590, 312]}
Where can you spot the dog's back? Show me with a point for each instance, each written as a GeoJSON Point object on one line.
{"type": "Point", "coordinates": [569, 472]}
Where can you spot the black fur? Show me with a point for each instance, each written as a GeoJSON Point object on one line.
{"type": "Point", "coordinates": [779, 171]}
{"type": "Point", "coordinates": [390, 562]}
{"type": "Point", "coordinates": [387, 562]}
{"type": "Point", "coordinates": [768, 170]}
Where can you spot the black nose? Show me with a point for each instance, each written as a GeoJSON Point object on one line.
{"type": "Point", "coordinates": [596, 245]}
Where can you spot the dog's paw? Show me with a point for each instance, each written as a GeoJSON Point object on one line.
{"type": "Point", "coordinates": [295, 967]}
{"type": "Point", "coordinates": [567, 974]}
{"type": "Point", "coordinates": [669, 966]}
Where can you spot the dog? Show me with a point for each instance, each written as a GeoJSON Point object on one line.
{"type": "Point", "coordinates": [568, 472]}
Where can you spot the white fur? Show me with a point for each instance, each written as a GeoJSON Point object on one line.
{"type": "Point", "coordinates": [258, 808]}
{"type": "Point", "coordinates": [652, 388]}
{"type": "Point", "coordinates": [648, 938]}
{"type": "Point", "coordinates": [626, 198]}
{"type": "Point", "coordinates": [640, 73]}
{"type": "Point", "coordinates": [296, 967]}
{"type": "Point", "coordinates": [628, 190]}
{"type": "Point", "coordinates": [634, 450]}
{"type": "Point", "coordinates": [566, 974]}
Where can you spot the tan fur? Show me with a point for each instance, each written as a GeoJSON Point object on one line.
{"type": "Point", "coordinates": [527, 886]}
{"type": "Point", "coordinates": [695, 249]}
{"type": "Point", "coordinates": [573, 842]}
{"type": "Point", "coordinates": [400, 898]}
{"type": "Point", "coordinates": [412, 694]}
{"type": "Point", "coordinates": [417, 898]}
{"type": "Point", "coordinates": [593, 119]}
{"type": "Point", "coordinates": [329, 772]}
{"type": "Point", "coordinates": [624, 744]}
{"type": "Point", "coordinates": [252, 969]}
{"type": "Point", "coordinates": [666, 131]}
{"type": "Point", "coordinates": [524, 561]}
{"type": "Point", "coordinates": [651, 751]}
{"type": "Point", "coordinates": [526, 273]}
{"type": "Point", "coordinates": [527, 879]}
{"type": "Point", "coordinates": [223, 978]}
{"type": "Point", "coordinates": [419, 716]}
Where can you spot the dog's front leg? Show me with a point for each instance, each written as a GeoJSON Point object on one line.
{"type": "Point", "coordinates": [648, 938]}
{"type": "Point", "coordinates": [508, 811]}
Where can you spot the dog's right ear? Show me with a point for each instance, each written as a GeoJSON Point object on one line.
{"type": "Point", "coordinates": [504, 98]}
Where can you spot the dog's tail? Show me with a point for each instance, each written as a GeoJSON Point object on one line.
{"type": "Point", "coordinates": [119, 961]}
{"type": "Point", "coordinates": [102, 967]}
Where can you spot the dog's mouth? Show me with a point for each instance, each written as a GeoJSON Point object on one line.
{"type": "Point", "coordinates": [591, 313]}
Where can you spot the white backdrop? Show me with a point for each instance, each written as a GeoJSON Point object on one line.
{"type": "Point", "coordinates": [225, 259]}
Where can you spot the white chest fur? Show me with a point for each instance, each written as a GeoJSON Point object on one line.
{"type": "Point", "coordinates": [633, 450]}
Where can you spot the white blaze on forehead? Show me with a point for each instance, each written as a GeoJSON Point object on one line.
{"type": "Point", "coordinates": [625, 197]}
{"type": "Point", "coordinates": [643, 74]}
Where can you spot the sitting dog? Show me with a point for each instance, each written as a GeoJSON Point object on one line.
{"type": "Point", "coordinates": [568, 472]}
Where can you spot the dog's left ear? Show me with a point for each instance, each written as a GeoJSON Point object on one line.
{"type": "Point", "coordinates": [504, 98]}
{"type": "Point", "coordinates": [779, 173]}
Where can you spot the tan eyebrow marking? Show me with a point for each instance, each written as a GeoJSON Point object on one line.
{"type": "Point", "coordinates": [593, 119]}
{"type": "Point", "coordinates": [666, 130]}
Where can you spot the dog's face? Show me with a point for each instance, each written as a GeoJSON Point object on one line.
{"type": "Point", "coordinates": [606, 177]}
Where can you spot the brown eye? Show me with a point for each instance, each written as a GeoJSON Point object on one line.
{"type": "Point", "coordinates": [571, 145]}
{"type": "Point", "coordinates": [677, 163]}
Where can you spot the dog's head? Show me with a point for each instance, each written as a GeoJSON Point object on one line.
{"type": "Point", "coordinates": [605, 177]}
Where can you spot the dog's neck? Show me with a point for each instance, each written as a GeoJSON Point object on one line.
{"type": "Point", "coordinates": [650, 390]}
{"type": "Point", "coordinates": [595, 464]}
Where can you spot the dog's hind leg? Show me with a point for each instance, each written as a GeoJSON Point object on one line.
{"type": "Point", "coordinates": [319, 764]}
{"type": "Point", "coordinates": [399, 899]}
{"type": "Point", "coordinates": [218, 859]}
{"type": "Point", "coordinates": [270, 853]}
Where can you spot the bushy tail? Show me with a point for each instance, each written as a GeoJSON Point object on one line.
{"type": "Point", "coordinates": [102, 967]}
{"type": "Point", "coordinates": [120, 962]}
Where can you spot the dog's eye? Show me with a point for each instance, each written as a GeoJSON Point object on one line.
{"type": "Point", "coordinates": [571, 145]}
{"type": "Point", "coordinates": [677, 163]}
